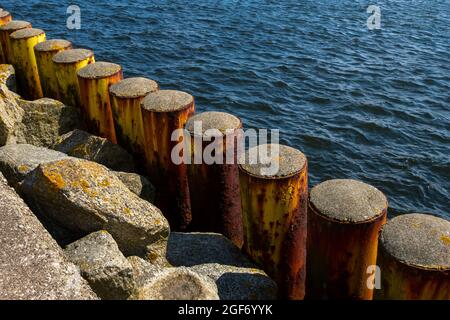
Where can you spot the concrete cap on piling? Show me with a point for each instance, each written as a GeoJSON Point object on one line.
{"type": "Point", "coordinates": [99, 70]}
{"type": "Point", "coordinates": [133, 88]}
{"type": "Point", "coordinates": [347, 200]}
{"type": "Point", "coordinates": [72, 55]}
{"type": "Point", "coordinates": [26, 33]}
{"type": "Point", "coordinates": [52, 45]}
{"type": "Point", "coordinates": [167, 101]}
{"type": "Point", "coordinates": [418, 240]}
{"type": "Point", "coordinates": [4, 13]}
{"type": "Point", "coordinates": [289, 161]}
{"type": "Point", "coordinates": [15, 25]}
{"type": "Point", "coordinates": [214, 120]}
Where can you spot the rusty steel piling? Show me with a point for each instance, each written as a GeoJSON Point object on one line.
{"type": "Point", "coordinates": [214, 187]}
{"type": "Point", "coordinates": [66, 64]}
{"type": "Point", "coordinates": [94, 81]}
{"type": "Point", "coordinates": [163, 112]}
{"type": "Point", "coordinates": [414, 258]}
{"type": "Point", "coordinates": [5, 31]}
{"type": "Point", "coordinates": [5, 17]}
{"type": "Point", "coordinates": [344, 220]}
{"type": "Point", "coordinates": [126, 97]}
{"type": "Point", "coordinates": [44, 53]}
{"type": "Point", "coordinates": [274, 192]}
{"type": "Point", "coordinates": [24, 61]}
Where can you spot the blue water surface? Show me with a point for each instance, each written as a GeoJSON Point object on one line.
{"type": "Point", "coordinates": [367, 104]}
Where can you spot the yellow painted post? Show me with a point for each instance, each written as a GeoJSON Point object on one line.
{"type": "Point", "coordinates": [344, 220]}
{"type": "Point", "coordinates": [5, 31]}
{"type": "Point", "coordinates": [94, 81]}
{"type": "Point", "coordinates": [66, 65]}
{"type": "Point", "coordinates": [274, 194]}
{"type": "Point", "coordinates": [163, 112]}
{"type": "Point", "coordinates": [44, 53]}
{"type": "Point", "coordinates": [126, 97]}
{"type": "Point", "coordinates": [24, 61]}
{"type": "Point", "coordinates": [414, 258]}
{"type": "Point", "coordinates": [5, 17]}
{"type": "Point", "coordinates": [214, 183]}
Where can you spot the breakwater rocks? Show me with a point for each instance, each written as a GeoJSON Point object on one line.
{"type": "Point", "coordinates": [97, 225]}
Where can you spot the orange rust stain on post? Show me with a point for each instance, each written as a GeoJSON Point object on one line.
{"type": "Point", "coordinates": [274, 206]}
{"type": "Point", "coordinates": [414, 261]}
{"type": "Point", "coordinates": [214, 187]}
{"type": "Point", "coordinates": [94, 81]}
{"type": "Point", "coordinates": [44, 53]}
{"type": "Point", "coordinates": [5, 31]}
{"type": "Point", "coordinates": [24, 61]}
{"type": "Point", "coordinates": [344, 220]}
{"type": "Point", "coordinates": [5, 17]}
{"type": "Point", "coordinates": [163, 112]}
{"type": "Point", "coordinates": [126, 97]}
{"type": "Point", "coordinates": [66, 64]}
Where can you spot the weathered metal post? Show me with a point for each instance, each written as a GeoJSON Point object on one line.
{"type": "Point", "coordinates": [414, 258]}
{"type": "Point", "coordinates": [5, 31]}
{"type": "Point", "coordinates": [94, 81]}
{"type": "Point", "coordinates": [5, 17]}
{"type": "Point", "coordinates": [274, 192]}
{"type": "Point", "coordinates": [163, 112]}
{"type": "Point", "coordinates": [126, 97]}
{"type": "Point", "coordinates": [214, 183]}
{"type": "Point", "coordinates": [66, 64]}
{"type": "Point", "coordinates": [44, 53]}
{"type": "Point", "coordinates": [24, 60]}
{"type": "Point", "coordinates": [344, 220]}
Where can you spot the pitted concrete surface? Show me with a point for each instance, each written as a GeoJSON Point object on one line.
{"type": "Point", "coordinates": [99, 70]}
{"type": "Point", "coordinates": [32, 265]}
{"type": "Point", "coordinates": [289, 161]}
{"type": "Point", "coordinates": [348, 200]}
{"type": "Point", "coordinates": [4, 13]}
{"type": "Point", "coordinates": [418, 240]}
{"type": "Point", "coordinates": [18, 160]}
{"type": "Point", "coordinates": [16, 25]}
{"type": "Point", "coordinates": [72, 55]}
{"type": "Point", "coordinates": [133, 87]}
{"type": "Point", "coordinates": [52, 45]}
{"type": "Point", "coordinates": [167, 101]}
{"type": "Point", "coordinates": [214, 120]}
{"type": "Point", "coordinates": [26, 33]}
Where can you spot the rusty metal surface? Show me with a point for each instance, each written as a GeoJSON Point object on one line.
{"type": "Point", "coordinates": [6, 44]}
{"type": "Point", "coordinates": [215, 194]}
{"type": "Point", "coordinates": [96, 105]}
{"type": "Point", "coordinates": [24, 61]}
{"type": "Point", "coordinates": [4, 20]}
{"type": "Point", "coordinates": [47, 71]}
{"type": "Point", "coordinates": [403, 282]}
{"type": "Point", "coordinates": [66, 77]}
{"type": "Point", "coordinates": [170, 180]}
{"type": "Point", "coordinates": [274, 219]}
{"type": "Point", "coordinates": [339, 255]}
{"type": "Point", "coordinates": [126, 97]}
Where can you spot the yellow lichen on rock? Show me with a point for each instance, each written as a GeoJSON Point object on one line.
{"type": "Point", "coordinates": [54, 178]}
{"type": "Point", "coordinates": [23, 168]}
{"type": "Point", "coordinates": [446, 240]}
{"type": "Point", "coordinates": [127, 211]}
